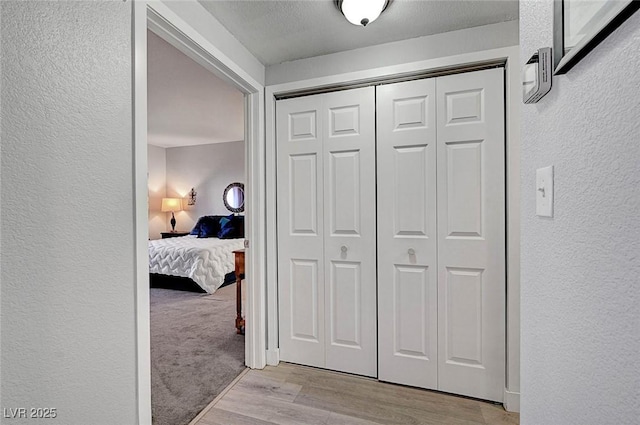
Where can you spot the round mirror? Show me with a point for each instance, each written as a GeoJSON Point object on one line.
{"type": "Point", "coordinates": [233, 197]}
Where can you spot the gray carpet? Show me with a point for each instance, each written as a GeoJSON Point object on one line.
{"type": "Point", "coordinates": [195, 351]}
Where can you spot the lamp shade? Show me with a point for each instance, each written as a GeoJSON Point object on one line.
{"type": "Point", "coordinates": [362, 12]}
{"type": "Point", "coordinates": [171, 204]}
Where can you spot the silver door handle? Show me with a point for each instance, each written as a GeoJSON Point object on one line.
{"type": "Point", "coordinates": [411, 251]}
{"type": "Point", "coordinates": [344, 248]}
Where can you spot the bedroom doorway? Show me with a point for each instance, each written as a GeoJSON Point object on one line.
{"type": "Point", "coordinates": [196, 173]}
{"type": "Point", "coordinates": [164, 24]}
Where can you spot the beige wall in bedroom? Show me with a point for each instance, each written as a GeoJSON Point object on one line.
{"type": "Point", "coordinates": [157, 179]}
{"type": "Point", "coordinates": [208, 169]}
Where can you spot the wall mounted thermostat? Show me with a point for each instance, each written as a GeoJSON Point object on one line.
{"type": "Point", "coordinates": [536, 76]}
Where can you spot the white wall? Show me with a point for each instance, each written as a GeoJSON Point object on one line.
{"type": "Point", "coordinates": [400, 52]}
{"type": "Point", "coordinates": [580, 286]}
{"type": "Point", "coordinates": [207, 168]}
{"type": "Point", "coordinates": [187, 103]}
{"type": "Point", "coordinates": [157, 181]}
{"type": "Point", "coordinates": [67, 259]}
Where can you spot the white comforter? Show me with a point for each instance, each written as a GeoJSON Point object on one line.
{"type": "Point", "coordinates": [204, 260]}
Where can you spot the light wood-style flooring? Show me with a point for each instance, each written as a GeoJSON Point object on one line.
{"type": "Point", "coordinates": [298, 395]}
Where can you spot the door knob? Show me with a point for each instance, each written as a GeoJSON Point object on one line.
{"type": "Point", "coordinates": [411, 251]}
{"type": "Point", "coordinates": [343, 248]}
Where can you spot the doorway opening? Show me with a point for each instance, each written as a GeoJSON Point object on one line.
{"type": "Point", "coordinates": [167, 25]}
{"type": "Point", "coordinates": [195, 152]}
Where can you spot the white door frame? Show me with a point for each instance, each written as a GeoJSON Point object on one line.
{"type": "Point", "coordinates": [511, 57]}
{"type": "Point", "coordinates": [165, 23]}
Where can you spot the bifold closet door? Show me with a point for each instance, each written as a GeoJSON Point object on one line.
{"type": "Point", "coordinates": [300, 204]}
{"type": "Point", "coordinates": [471, 234]}
{"type": "Point", "coordinates": [350, 231]}
{"type": "Point", "coordinates": [441, 233]}
{"type": "Point", "coordinates": [407, 270]}
{"type": "Point", "coordinates": [326, 230]}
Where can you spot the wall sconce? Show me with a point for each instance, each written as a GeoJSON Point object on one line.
{"type": "Point", "coordinates": [361, 12]}
{"type": "Point", "coordinates": [191, 197]}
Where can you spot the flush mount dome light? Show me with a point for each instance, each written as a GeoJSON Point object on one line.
{"type": "Point", "coordinates": [361, 12]}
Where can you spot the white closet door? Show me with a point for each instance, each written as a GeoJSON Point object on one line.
{"type": "Point", "coordinates": [350, 233]}
{"type": "Point", "coordinates": [407, 276]}
{"type": "Point", "coordinates": [300, 230]}
{"type": "Point", "coordinates": [326, 230]}
{"type": "Point", "coordinates": [471, 234]}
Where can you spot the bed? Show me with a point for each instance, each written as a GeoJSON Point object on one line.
{"type": "Point", "coordinates": [201, 257]}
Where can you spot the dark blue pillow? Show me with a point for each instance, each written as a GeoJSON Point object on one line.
{"type": "Point", "coordinates": [196, 228]}
{"type": "Point", "coordinates": [227, 232]}
{"type": "Point", "coordinates": [209, 227]}
{"type": "Point", "coordinates": [231, 227]}
{"type": "Point", "coordinates": [227, 228]}
{"type": "Point", "coordinates": [225, 220]}
{"type": "Point", "coordinates": [211, 219]}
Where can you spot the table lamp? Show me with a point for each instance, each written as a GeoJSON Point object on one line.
{"type": "Point", "coordinates": [173, 205]}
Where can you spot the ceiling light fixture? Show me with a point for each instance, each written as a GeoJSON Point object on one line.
{"type": "Point", "coordinates": [361, 12]}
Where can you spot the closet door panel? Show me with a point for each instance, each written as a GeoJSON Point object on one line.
{"type": "Point", "coordinates": [303, 199]}
{"type": "Point", "coordinates": [303, 300]}
{"type": "Point", "coordinates": [345, 191]}
{"type": "Point", "coordinates": [471, 234]}
{"type": "Point", "coordinates": [349, 222]}
{"type": "Point", "coordinates": [407, 280]}
{"type": "Point", "coordinates": [300, 230]}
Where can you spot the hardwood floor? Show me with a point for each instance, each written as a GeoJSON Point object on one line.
{"type": "Point", "coordinates": [298, 395]}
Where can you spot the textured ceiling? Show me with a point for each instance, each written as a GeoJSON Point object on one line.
{"type": "Point", "coordinates": [188, 105]}
{"type": "Point", "coordinates": [277, 31]}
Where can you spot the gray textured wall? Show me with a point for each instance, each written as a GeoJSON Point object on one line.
{"type": "Point", "coordinates": [67, 256]}
{"type": "Point", "coordinates": [580, 285]}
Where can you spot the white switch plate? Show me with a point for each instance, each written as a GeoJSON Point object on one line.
{"type": "Point", "coordinates": [544, 192]}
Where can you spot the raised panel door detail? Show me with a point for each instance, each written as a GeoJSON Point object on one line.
{"type": "Point", "coordinates": [471, 234]}
{"type": "Point", "coordinates": [344, 169]}
{"type": "Point", "coordinates": [300, 226]}
{"type": "Point", "coordinates": [464, 316]}
{"type": "Point", "coordinates": [302, 126]}
{"type": "Point", "coordinates": [346, 303]}
{"type": "Point", "coordinates": [303, 193]}
{"type": "Point", "coordinates": [411, 311]}
{"type": "Point", "coordinates": [344, 121]}
{"type": "Point", "coordinates": [410, 113]}
{"type": "Point", "coordinates": [464, 189]}
{"type": "Point", "coordinates": [464, 106]}
{"type": "Point", "coordinates": [406, 222]}
{"type": "Point", "coordinates": [326, 230]}
{"type": "Point", "coordinates": [349, 231]}
{"type": "Point", "coordinates": [411, 185]}
{"type": "Point", "coordinates": [304, 299]}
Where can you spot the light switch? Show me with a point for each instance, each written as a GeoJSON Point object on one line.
{"type": "Point", "coordinates": [544, 192]}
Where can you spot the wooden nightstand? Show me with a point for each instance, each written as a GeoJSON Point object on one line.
{"type": "Point", "coordinates": [175, 234]}
{"type": "Point", "coordinates": [239, 259]}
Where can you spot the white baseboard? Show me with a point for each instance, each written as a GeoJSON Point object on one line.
{"type": "Point", "coordinates": [273, 357]}
{"type": "Point", "coordinates": [511, 401]}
